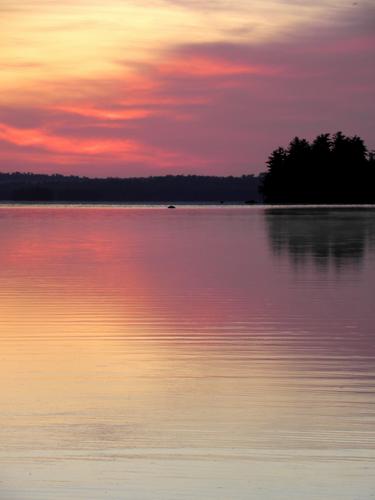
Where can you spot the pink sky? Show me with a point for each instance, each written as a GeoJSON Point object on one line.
{"type": "Point", "coordinates": [165, 86]}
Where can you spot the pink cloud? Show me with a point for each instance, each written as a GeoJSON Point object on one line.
{"type": "Point", "coordinates": [66, 149]}
{"type": "Point", "coordinates": [59, 144]}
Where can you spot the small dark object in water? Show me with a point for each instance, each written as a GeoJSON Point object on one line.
{"type": "Point", "coordinates": [171, 206]}
{"type": "Point", "coordinates": [221, 202]}
{"type": "Point", "coordinates": [250, 202]}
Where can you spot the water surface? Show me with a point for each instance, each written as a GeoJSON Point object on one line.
{"type": "Point", "coordinates": [200, 353]}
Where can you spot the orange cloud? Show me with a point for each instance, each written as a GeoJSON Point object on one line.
{"type": "Point", "coordinates": [211, 67]}
{"type": "Point", "coordinates": [106, 114]}
{"type": "Point", "coordinates": [156, 106]}
{"type": "Point", "coordinates": [156, 101]}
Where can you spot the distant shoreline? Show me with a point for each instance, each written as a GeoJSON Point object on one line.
{"type": "Point", "coordinates": [202, 204]}
{"type": "Point", "coordinates": [27, 187]}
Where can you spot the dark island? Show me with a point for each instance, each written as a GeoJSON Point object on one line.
{"type": "Point", "coordinates": [27, 187]}
{"type": "Point", "coordinates": [330, 170]}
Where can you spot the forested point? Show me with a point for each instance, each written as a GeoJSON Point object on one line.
{"type": "Point", "coordinates": [331, 169]}
{"type": "Point", "coordinates": [27, 187]}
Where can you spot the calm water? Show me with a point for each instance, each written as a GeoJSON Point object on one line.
{"type": "Point", "coordinates": [198, 353]}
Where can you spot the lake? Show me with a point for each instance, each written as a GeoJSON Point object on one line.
{"type": "Point", "coordinates": [210, 353]}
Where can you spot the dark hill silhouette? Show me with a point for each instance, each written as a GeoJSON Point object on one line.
{"type": "Point", "coordinates": [24, 187]}
{"type": "Point", "coordinates": [331, 169]}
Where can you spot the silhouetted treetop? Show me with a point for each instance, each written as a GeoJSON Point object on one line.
{"type": "Point", "coordinates": [331, 169]}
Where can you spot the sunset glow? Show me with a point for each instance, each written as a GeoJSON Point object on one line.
{"type": "Point", "coordinates": [138, 88]}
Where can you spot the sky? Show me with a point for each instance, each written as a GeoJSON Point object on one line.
{"type": "Point", "coordinates": [155, 87]}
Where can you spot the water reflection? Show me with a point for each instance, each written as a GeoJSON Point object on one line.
{"type": "Point", "coordinates": [329, 237]}
{"type": "Point", "coordinates": [155, 354]}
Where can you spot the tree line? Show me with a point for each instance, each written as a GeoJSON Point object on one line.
{"type": "Point", "coordinates": [29, 187]}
